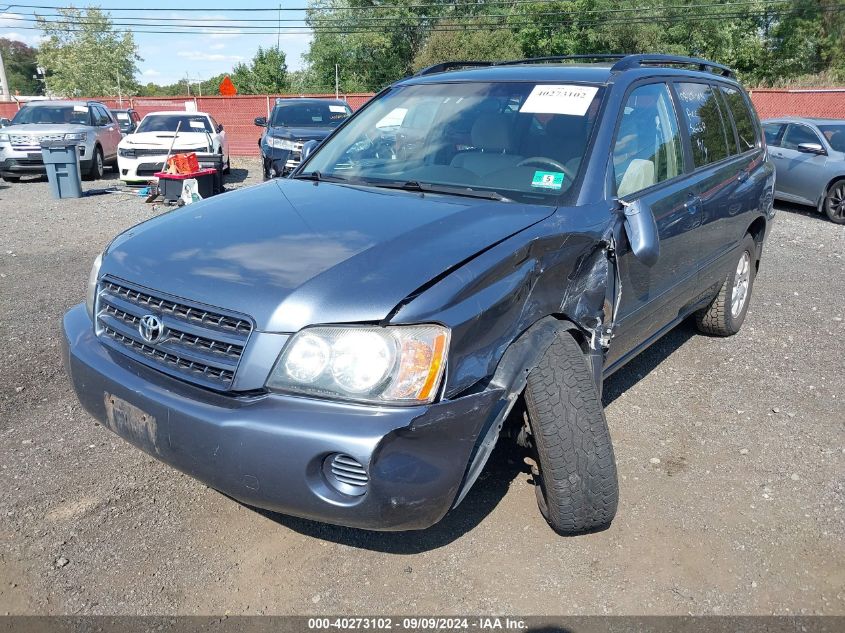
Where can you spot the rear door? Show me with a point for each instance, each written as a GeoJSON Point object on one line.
{"type": "Point", "coordinates": [649, 164]}
{"type": "Point", "coordinates": [797, 172]}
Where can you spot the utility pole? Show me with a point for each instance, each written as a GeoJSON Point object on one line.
{"type": "Point", "coordinates": [336, 82]}
{"type": "Point", "coordinates": [5, 92]}
{"type": "Point", "coordinates": [119, 93]}
{"type": "Point", "coordinates": [279, 32]}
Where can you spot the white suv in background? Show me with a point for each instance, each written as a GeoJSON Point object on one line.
{"type": "Point", "coordinates": [142, 154]}
{"type": "Point", "coordinates": [89, 123]}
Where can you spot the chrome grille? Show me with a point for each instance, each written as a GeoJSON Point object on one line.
{"type": "Point", "coordinates": [33, 140]}
{"type": "Point", "coordinates": [198, 344]}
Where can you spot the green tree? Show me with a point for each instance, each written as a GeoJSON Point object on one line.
{"type": "Point", "coordinates": [266, 73]}
{"type": "Point", "coordinates": [452, 42]}
{"type": "Point", "coordinates": [20, 67]}
{"type": "Point", "coordinates": [85, 56]}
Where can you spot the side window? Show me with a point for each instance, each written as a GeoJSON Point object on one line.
{"type": "Point", "coordinates": [214, 124]}
{"type": "Point", "coordinates": [648, 148]}
{"type": "Point", "coordinates": [772, 132]}
{"type": "Point", "coordinates": [743, 119]}
{"type": "Point", "coordinates": [101, 117]}
{"type": "Point", "coordinates": [706, 129]}
{"type": "Point", "coordinates": [797, 134]}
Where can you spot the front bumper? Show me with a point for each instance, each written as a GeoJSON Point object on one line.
{"type": "Point", "coordinates": [23, 163]}
{"type": "Point", "coordinates": [142, 169]}
{"type": "Point", "coordinates": [268, 450]}
{"type": "Point", "coordinates": [279, 162]}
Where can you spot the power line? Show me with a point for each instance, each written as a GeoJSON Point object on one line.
{"type": "Point", "coordinates": [473, 26]}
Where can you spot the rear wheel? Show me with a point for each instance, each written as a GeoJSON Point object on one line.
{"type": "Point", "coordinates": [12, 178]}
{"type": "Point", "coordinates": [97, 169]}
{"type": "Point", "coordinates": [726, 314]}
{"type": "Point", "coordinates": [834, 202]}
{"type": "Point", "coordinates": [575, 470]}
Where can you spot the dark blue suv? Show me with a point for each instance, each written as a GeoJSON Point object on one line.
{"type": "Point", "coordinates": [464, 259]}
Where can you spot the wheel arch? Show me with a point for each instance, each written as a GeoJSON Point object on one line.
{"type": "Point", "coordinates": [823, 195]}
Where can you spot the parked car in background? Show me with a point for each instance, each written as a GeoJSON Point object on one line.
{"type": "Point", "coordinates": [89, 123]}
{"type": "Point", "coordinates": [142, 154]}
{"type": "Point", "coordinates": [809, 159]}
{"type": "Point", "coordinates": [293, 122]}
{"type": "Point", "coordinates": [346, 344]}
{"type": "Point", "coordinates": [127, 119]}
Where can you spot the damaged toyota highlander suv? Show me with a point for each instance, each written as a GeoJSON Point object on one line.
{"type": "Point", "coordinates": [346, 344]}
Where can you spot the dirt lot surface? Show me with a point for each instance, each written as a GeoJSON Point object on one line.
{"type": "Point", "coordinates": [742, 514]}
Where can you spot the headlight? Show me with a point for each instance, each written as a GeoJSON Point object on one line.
{"type": "Point", "coordinates": [76, 136]}
{"type": "Point", "coordinates": [280, 143]}
{"type": "Point", "coordinates": [401, 364]}
{"type": "Point", "coordinates": [126, 152]}
{"type": "Point", "coordinates": [91, 291]}
{"type": "Point", "coordinates": [4, 138]}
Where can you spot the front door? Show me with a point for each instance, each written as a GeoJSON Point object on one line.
{"type": "Point", "coordinates": [648, 164]}
{"type": "Point", "coordinates": [797, 172]}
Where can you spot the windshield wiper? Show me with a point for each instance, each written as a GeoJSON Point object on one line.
{"type": "Point", "coordinates": [413, 185]}
{"type": "Point", "coordinates": [319, 177]}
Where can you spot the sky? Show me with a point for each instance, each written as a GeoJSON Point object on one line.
{"type": "Point", "coordinates": [168, 58]}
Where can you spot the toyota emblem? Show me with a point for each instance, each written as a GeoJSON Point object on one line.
{"type": "Point", "coordinates": [151, 328]}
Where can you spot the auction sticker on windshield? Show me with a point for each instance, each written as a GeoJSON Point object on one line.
{"type": "Point", "coordinates": [547, 180]}
{"type": "Point", "coordinates": [559, 99]}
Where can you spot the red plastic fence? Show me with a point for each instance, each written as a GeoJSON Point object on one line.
{"type": "Point", "coordinates": [237, 113]}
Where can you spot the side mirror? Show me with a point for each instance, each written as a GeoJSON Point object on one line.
{"type": "Point", "coordinates": [641, 230]}
{"type": "Point", "coordinates": [811, 148]}
{"type": "Point", "coordinates": [261, 121]}
{"type": "Point", "coordinates": [308, 148]}
{"type": "Point", "coordinates": [219, 127]}
{"type": "Point", "coordinates": [5, 122]}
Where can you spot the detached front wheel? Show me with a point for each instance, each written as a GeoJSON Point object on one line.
{"type": "Point", "coordinates": [575, 475]}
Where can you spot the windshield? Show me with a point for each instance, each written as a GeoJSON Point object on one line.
{"type": "Point", "coordinates": [835, 135]}
{"type": "Point", "coordinates": [168, 123]}
{"type": "Point", "coordinates": [523, 141]}
{"type": "Point", "coordinates": [309, 115]}
{"type": "Point", "coordinates": [69, 114]}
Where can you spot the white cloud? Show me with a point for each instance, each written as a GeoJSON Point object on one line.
{"type": "Point", "coordinates": [151, 72]}
{"type": "Point", "coordinates": [199, 56]}
{"type": "Point", "coordinates": [9, 20]}
{"type": "Point", "coordinates": [219, 46]}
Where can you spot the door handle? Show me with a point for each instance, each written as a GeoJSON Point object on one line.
{"type": "Point", "coordinates": [692, 203]}
{"type": "Point", "coordinates": [742, 176]}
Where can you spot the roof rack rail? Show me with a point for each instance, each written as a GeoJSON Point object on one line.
{"type": "Point", "coordinates": [439, 68]}
{"type": "Point", "coordinates": [560, 58]}
{"type": "Point", "coordinates": [636, 61]}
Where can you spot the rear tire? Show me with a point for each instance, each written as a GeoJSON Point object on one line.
{"type": "Point", "coordinates": [834, 202]}
{"type": "Point", "coordinates": [12, 178]}
{"type": "Point", "coordinates": [726, 313]}
{"type": "Point", "coordinates": [97, 169]}
{"type": "Point", "coordinates": [576, 484]}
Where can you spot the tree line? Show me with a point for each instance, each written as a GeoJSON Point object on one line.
{"type": "Point", "coordinates": [375, 42]}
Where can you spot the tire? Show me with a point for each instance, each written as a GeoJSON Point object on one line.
{"type": "Point", "coordinates": [97, 169]}
{"type": "Point", "coordinates": [834, 202]}
{"type": "Point", "coordinates": [12, 178]}
{"type": "Point", "coordinates": [228, 168]}
{"type": "Point", "coordinates": [726, 313]}
{"type": "Point", "coordinates": [575, 476]}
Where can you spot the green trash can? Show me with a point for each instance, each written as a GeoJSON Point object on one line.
{"type": "Point", "coordinates": [61, 158]}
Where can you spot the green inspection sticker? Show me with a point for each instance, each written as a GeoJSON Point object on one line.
{"type": "Point", "coordinates": [547, 179]}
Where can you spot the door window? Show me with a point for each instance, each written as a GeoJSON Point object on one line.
{"type": "Point", "coordinates": [772, 132]}
{"type": "Point", "coordinates": [797, 134]}
{"type": "Point", "coordinates": [743, 119]}
{"type": "Point", "coordinates": [704, 122]}
{"type": "Point", "coordinates": [647, 149]}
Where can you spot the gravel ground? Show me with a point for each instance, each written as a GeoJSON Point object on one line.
{"type": "Point", "coordinates": [742, 514]}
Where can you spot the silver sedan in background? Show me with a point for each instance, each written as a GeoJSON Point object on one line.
{"type": "Point", "coordinates": [809, 159]}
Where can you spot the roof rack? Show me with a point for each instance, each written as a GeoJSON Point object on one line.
{"type": "Point", "coordinates": [622, 62]}
{"type": "Point", "coordinates": [636, 61]}
{"type": "Point", "coordinates": [560, 58]}
{"type": "Point", "coordinates": [439, 68]}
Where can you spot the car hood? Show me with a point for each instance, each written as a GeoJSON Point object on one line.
{"type": "Point", "coordinates": [301, 133]}
{"type": "Point", "coordinates": [39, 129]}
{"type": "Point", "coordinates": [291, 253]}
{"type": "Point", "coordinates": [148, 140]}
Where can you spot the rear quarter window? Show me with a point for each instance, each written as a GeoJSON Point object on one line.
{"type": "Point", "coordinates": [743, 119]}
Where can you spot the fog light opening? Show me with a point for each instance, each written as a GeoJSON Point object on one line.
{"type": "Point", "coordinates": [345, 474]}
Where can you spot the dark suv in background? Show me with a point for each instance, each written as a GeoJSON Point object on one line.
{"type": "Point", "coordinates": [293, 122]}
{"type": "Point", "coordinates": [466, 258]}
